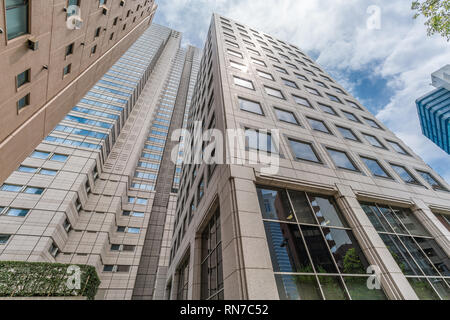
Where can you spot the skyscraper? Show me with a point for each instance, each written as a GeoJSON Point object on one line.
{"type": "Point", "coordinates": [98, 189]}
{"type": "Point", "coordinates": [52, 53]}
{"type": "Point", "coordinates": [434, 110]}
{"type": "Point", "coordinates": [334, 198]}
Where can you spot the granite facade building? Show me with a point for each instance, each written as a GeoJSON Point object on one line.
{"type": "Point", "coordinates": [348, 200]}
{"type": "Point", "coordinates": [434, 110]}
{"type": "Point", "coordinates": [98, 189]}
{"type": "Point", "coordinates": [51, 54]}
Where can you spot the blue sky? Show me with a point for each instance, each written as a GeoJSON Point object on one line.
{"type": "Point", "coordinates": [374, 48]}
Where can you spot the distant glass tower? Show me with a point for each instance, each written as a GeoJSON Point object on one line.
{"type": "Point", "coordinates": [434, 110]}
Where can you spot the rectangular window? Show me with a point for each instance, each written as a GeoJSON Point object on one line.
{"type": "Point", "coordinates": [318, 125]}
{"type": "Point", "coordinates": [48, 172]}
{"type": "Point", "coordinates": [436, 185]}
{"type": "Point", "coordinates": [15, 212]}
{"type": "Point", "coordinates": [404, 174]}
{"type": "Point", "coordinates": [342, 160]}
{"type": "Point", "coordinates": [40, 155]}
{"type": "Point", "coordinates": [259, 62]}
{"type": "Point", "coordinates": [281, 70]}
{"type": "Point", "coordinates": [250, 106]}
{"type": "Point", "coordinates": [33, 190]}
{"type": "Point", "coordinates": [274, 92]}
{"type": "Point", "coordinates": [238, 66]}
{"type": "Point", "coordinates": [23, 78]}
{"type": "Point", "coordinates": [59, 157]}
{"type": "Point", "coordinates": [93, 49]}
{"type": "Point", "coordinates": [24, 102]}
{"type": "Point", "coordinates": [286, 116]}
{"type": "Point", "coordinates": [200, 190]}
{"type": "Point", "coordinates": [11, 188]}
{"type": "Point", "coordinates": [27, 169]}
{"type": "Point", "coordinates": [211, 287]}
{"type": "Point", "coordinates": [304, 151]}
{"type": "Point", "coordinates": [243, 83]}
{"type": "Point", "coordinates": [347, 133]}
{"type": "Point", "coordinates": [308, 237]}
{"type": "Point", "coordinates": [375, 168]}
{"type": "Point", "coordinates": [69, 49]}
{"type": "Point", "coordinates": [265, 75]}
{"type": "Point", "coordinates": [183, 280]}
{"type": "Point", "coordinates": [17, 12]}
{"type": "Point", "coordinates": [71, 3]}
{"type": "Point", "coordinates": [235, 53]}
{"type": "Point", "coordinates": [67, 69]}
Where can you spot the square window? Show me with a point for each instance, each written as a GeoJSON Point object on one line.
{"type": "Point", "coordinates": [23, 78]}
{"type": "Point", "coordinates": [286, 116]}
{"type": "Point", "coordinates": [341, 160]}
{"type": "Point", "coordinates": [274, 92]}
{"type": "Point", "coordinates": [347, 133]}
{"type": "Point", "coordinates": [404, 174]}
{"type": "Point", "coordinates": [304, 151]}
{"type": "Point", "coordinates": [243, 83]}
{"type": "Point", "coordinates": [375, 168]}
{"type": "Point", "coordinates": [250, 106]}
{"type": "Point", "coordinates": [289, 83]}
{"type": "Point", "coordinates": [318, 125]}
{"type": "Point", "coordinates": [327, 109]}
{"type": "Point", "coordinates": [350, 116]}
{"type": "Point", "coordinates": [302, 101]}
{"type": "Point", "coordinates": [313, 91]}
{"type": "Point", "coordinates": [24, 102]}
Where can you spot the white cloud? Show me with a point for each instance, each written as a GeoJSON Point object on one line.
{"type": "Point", "coordinates": [335, 30]}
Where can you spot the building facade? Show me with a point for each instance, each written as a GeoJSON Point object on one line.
{"type": "Point", "coordinates": [52, 53]}
{"type": "Point", "coordinates": [98, 189]}
{"type": "Point", "coordinates": [434, 110]}
{"type": "Point", "coordinates": [314, 196]}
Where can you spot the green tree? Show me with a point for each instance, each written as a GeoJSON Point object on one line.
{"type": "Point", "coordinates": [437, 13]}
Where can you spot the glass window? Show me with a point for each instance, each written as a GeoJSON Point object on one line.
{"type": "Point", "coordinates": [265, 75]}
{"type": "Point", "coordinates": [274, 205]}
{"type": "Point", "coordinates": [301, 77]}
{"type": "Point", "coordinates": [436, 185]}
{"type": "Point", "coordinates": [69, 49]}
{"type": "Point", "coordinates": [134, 230]}
{"type": "Point", "coordinates": [375, 167]}
{"type": "Point", "coordinates": [350, 116]}
{"type": "Point", "coordinates": [48, 172]}
{"type": "Point", "coordinates": [34, 190]}
{"type": "Point", "coordinates": [327, 109]}
{"type": "Point", "coordinates": [326, 212]}
{"type": "Point", "coordinates": [258, 62]}
{"type": "Point", "coordinates": [274, 92]}
{"type": "Point", "coordinates": [313, 91]}
{"type": "Point", "coordinates": [67, 69]}
{"type": "Point", "coordinates": [11, 188]}
{"type": "Point", "coordinates": [318, 125]}
{"type": "Point", "coordinates": [373, 141]}
{"type": "Point", "coordinates": [4, 238]}
{"type": "Point", "coordinates": [250, 106]}
{"type": "Point", "coordinates": [372, 123]}
{"type": "Point", "coordinates": [238, 66]}
{"type": "Point", "coordinates": [289, 83]}
{"type": "Point", "coordinates": [404, 174]}
{"type": "Point", "coordinates": [234, 53]}
{"type": "Point", "coordinates": [59, 157]}
{"type": "Point", "coordinates": [23, 78]}
{"type": "Point", "coordinates": [16, 18]}
{"type": "Point", "coordinates": [302, 101]}
{"type": "Point", "coordinates": [211, 267]}
{"type": "Point", "coordinates": [347, 133]}
{"type": "Point", "coordinates": [15, 212]}
{"type": "Point", "coordinates": [243, 83]}
{"type": "Point", "coordinates": [353, 104]}
{"type": "Point", "coordinates": [304, 151]}
{"type": "Point", "coordinates": [23, 102]}
{"type": "Point", "coordinates": [27, 169]}
{"type": "Point", "coordinates": [200, 190]}
{"type": "Point", "coordinates": [341, 159]}
{"type": "Point", "coordinates": [333, 98]}
{"type": "Point", "coordinates": [397, 147]}
{"type": "Point", "coordinates": [286, 116]}
{"type": "Point", "coordinates": [142, 201]}
{"type": "Point", "coordinates": [259, 140]}
{"type": "Point", "coordinates": [281, 70]}
{"type": "Point", "coordinates": [320, 84]}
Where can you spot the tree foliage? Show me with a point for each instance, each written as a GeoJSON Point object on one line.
{"type": "Point", "coordinates": [437, 13]}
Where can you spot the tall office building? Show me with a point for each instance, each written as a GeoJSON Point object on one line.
{"type": "Point", "coordinates": [52, 52]}
{"type": "Point", "coordinates": [99, 189]}
{"type": "Point", "coordinates": [334, 197]}
{"type": "Point", "coordinates": [434, 110]}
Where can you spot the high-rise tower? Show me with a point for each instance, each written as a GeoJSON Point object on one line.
{"type": "Point", "coordinates": [334, 196]}
{"type": "Point", "coordinates": [98, 190]}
